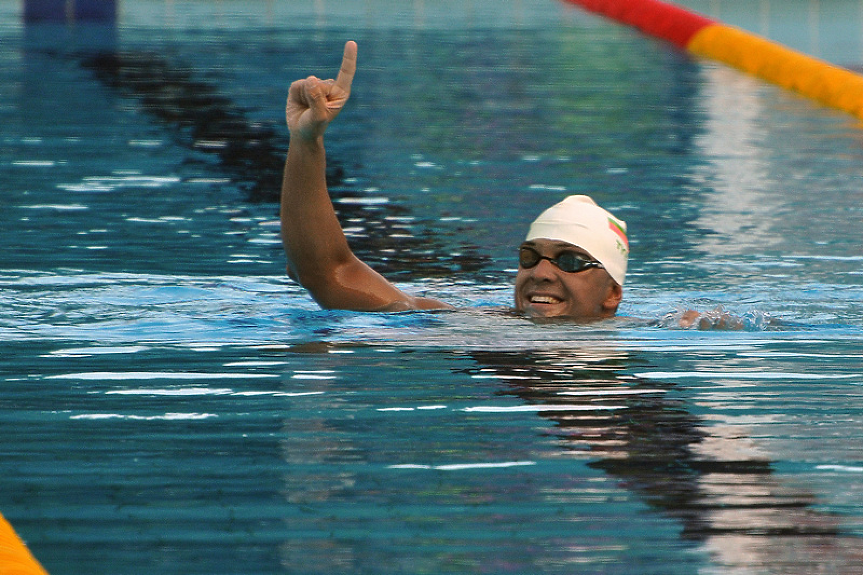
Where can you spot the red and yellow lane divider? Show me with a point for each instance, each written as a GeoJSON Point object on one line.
{"type": "Point", "coordinates": [15, 558]}
{"type": "Point", "coordinates": [828, 84]}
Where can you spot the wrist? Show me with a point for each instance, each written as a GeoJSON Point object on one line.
{"type": "Point", "coordinates": [307, 143]}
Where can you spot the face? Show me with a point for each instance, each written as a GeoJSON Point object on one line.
{"type": "Point", "coordinates": [544, 290]}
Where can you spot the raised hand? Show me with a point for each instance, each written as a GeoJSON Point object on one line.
{"type": "Point", "coordinates": [314, 103]}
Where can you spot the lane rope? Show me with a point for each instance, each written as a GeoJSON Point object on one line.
{"type": "Point", "coordinates": [821, 81]}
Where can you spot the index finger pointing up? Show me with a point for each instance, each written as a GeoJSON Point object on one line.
{"type": "Point", "coordinates": [349, 67]}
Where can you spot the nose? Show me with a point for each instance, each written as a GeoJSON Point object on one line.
{"type": "Point", "coordinates": [544, 270]}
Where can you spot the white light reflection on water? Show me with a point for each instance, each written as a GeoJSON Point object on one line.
{"type": "Point", "coordinates": [465, 466]}
{"type": "Point", "coordinates": [166, 417]}
{"type": "Point", "coordinates": [156, 375]}
{"type": "Point", "coordinates": [744, 375]}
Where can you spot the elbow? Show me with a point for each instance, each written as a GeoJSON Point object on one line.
{"type": "Point", "coordinates": [348, 286]}
{"type": "Point", "coordinates": [322, 287]}
{"type": "Point", "coordinates": [313, 283]}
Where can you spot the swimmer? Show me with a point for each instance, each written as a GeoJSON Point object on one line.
{"type": "Point", "coordinates": [572, 263]}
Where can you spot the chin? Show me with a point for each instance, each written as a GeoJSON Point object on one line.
{"type": "Point", "coordinates": [557, 313]}
{"type": "Point", "coordinates": [544, 313]}
{"type": "Point", "coordinates": [549, 312]}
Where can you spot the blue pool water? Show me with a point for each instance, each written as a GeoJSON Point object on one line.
{"type": "Point", "coordinates": [172, 403]}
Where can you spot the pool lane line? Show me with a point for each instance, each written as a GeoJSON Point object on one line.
{"type": "Point", "coordinates": [825, 83]}
{"type": "Point", "coordinates": [201, 118]}
{"type": "Point", "coordinates": [14, 555]}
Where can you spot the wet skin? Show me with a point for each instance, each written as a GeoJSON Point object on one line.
{"type": "Point", "coordinates": [545, 291]}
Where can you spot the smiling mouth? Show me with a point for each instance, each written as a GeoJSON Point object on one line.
{"type": "Point", "coordinates": [544, 299]}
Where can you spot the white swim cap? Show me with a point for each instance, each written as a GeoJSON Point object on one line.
{"type": "Point", "coordinates": [579, 221]}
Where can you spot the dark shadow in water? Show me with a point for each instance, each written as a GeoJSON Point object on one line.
{"type": "Point", "coordinates": [724, 494]}
{"type": "Point", "coordinates": [216, 129]}
{"type": "Point", "coordinates": [253, 154]}
{"type": "Point", "coordinates": [200, 118]}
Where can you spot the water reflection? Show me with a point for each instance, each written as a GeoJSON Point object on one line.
{"type": "Point", "coordinates": [739, 214]}
{"type": "Point", "coordinates": [711, 478]}
{"type": "Point", "coordinates": [707, 474]}
{"type": "Point", "coordinates": [383, 232]}
{"type": "Point", "coordinates": [772, 189]}
{"type": "Point", "coordinates": [304, 478]}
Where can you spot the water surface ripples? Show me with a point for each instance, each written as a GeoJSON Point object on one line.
{"type": "Point", "coordinates": [172, 403]}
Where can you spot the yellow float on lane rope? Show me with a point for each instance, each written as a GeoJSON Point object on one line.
{"type": "Point", "coordinates": [830, 85]}
{"type": "Point", "coordinates": [15, 558]}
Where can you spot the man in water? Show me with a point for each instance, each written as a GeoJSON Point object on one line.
{"type": "Point", "coordinates": [571, 265]}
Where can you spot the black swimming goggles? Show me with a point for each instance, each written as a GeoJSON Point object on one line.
{"type": "Point", "coordinates": [567, 261]}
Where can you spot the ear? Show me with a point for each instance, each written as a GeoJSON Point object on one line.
{"type": "Point", "coordinates": [613, 297]}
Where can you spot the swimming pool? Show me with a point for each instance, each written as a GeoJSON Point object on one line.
{"type": "Point", "coordinates": [172, 403]}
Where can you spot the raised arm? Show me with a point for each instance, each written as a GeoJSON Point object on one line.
{"type": "Point", "coordinates": [319, 257]}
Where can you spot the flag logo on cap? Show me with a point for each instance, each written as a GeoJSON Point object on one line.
{"type": "Point", "coordinates": [618, 229]}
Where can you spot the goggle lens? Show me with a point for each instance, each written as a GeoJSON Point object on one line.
{"type": "Point", "coordinates": [567, 261]}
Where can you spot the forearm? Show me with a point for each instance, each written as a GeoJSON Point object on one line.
{"type": "Point", "coordinates": [311, 234]}
{"type": "Point", "coordinates": [319, 257]}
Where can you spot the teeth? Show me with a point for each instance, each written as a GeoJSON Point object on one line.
{"type": "Point", "coordinates": [543, 299]}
